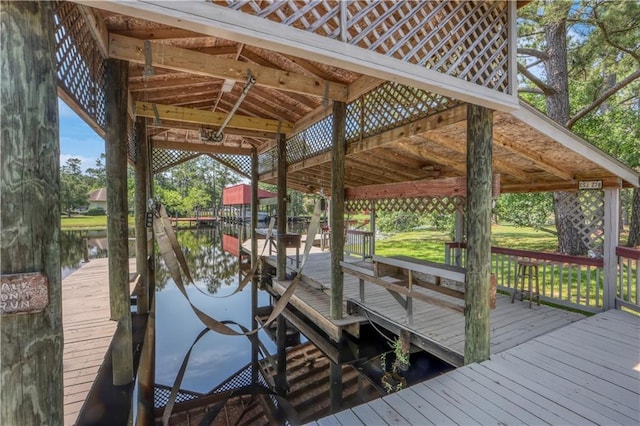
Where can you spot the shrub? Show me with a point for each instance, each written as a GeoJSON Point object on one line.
{"type": "Point", "coordinates": [96, 211]}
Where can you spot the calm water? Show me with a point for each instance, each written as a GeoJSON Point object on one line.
{"type": "Point", "coordinates": [211, 254]}
{"type": "Point", "coordinates": [215, 272]}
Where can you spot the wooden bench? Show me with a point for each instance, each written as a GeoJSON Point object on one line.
{"type": "Point", "coordinates": [403, 276]}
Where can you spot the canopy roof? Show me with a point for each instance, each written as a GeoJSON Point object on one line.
{"type": "Point", "coordinates": [406, 106]}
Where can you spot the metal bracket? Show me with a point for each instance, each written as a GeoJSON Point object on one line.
{"type": "Point", "coordinates": [156, 116]}
{"type": "Point", "coordinates": [148, 70]}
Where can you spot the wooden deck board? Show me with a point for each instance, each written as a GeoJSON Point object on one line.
{"type": "Point", "coordinates": [87, 331]}
{"type": "Point", "coordinates": [515, 323]}
{"type": "Point", "coordinates": [540, 381]}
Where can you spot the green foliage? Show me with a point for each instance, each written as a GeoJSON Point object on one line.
{"type": "Point", "coordinates": [96, 211]}
{"type": "Point", "coordinates": [73, 186]}
{"type": "Point", "coordinates": [533, 210]}
{"type": "Point", "coordinates": [397, 221]}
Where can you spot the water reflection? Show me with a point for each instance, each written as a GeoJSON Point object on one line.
{"type": "Point", "coordinates": [71, 255]}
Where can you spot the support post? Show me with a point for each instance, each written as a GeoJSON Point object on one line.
{"type": "Point", "coordinates": [146, 371]}
{"type": "Point", "coordinates": [254, 207]}
{"type": "Point", "coordinates": [335, 387]}
{"type": "Point", "coordinates": [116, 76]}
{"type": "Point", "coordinates": [478, 278]}
{"type": "Point", "coordinates": [31, 355]}
{"type": "Point", "coordinates": [141, 213]}
{"type": "Point", "coordinates": [254, 325]}
{"type": "Point", "coordinates": [281, 368]}
{"type": "Point", "coordinates": [281, 261]}
{"type": "Point", "coordinates": [372, 227]}
{"type": "Point", "coordinates": [459, 237]}
{"type": "Point", "coordinates": [338, 154]}
{"type": "Point", "coordinates": [611, 240]}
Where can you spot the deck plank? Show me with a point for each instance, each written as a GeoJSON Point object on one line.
{"type": "Point", "coordinates": [554, 378]}
{"type": "Point", "coordinates": [87, 331]}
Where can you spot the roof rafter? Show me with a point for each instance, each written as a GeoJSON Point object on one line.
{"type": "Point", "coordinates": [179, 59]}
{"type": "Point", "coordinates": [190, 115]}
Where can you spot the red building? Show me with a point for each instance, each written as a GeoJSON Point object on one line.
{"type": "Point", "coordinates": [236, 203]}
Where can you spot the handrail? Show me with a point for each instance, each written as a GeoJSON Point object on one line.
{"type": "Point", "coordinates": [628, 252]}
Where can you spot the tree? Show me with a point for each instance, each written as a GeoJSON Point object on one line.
{"type": "Point", "coordinates": [98, 174]}
{"type": "Point", "coordinates": [73, 187]}
{"type": "Point", "coordinates": [599, 38]}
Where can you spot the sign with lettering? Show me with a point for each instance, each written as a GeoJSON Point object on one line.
{"type": "Point", "coordinates": [23, 293]}
{"type": "Point", "coordinates": [590, 184]}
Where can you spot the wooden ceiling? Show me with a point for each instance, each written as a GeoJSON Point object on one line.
{"type": "Point", "coordinates": [186, 83]}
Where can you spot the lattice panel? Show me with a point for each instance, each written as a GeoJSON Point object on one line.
{"type": "Point", "coordinates": [465, 39]}
{"type": "Point", "coordinates": [388, 106]}
{"type": "Point", "coordinates": [442, 205]}
{"type": "Point", "coordinates": [392, 105]}
{"type": "Point", "coordinates": [585, 210]}
{"type": "Point", "coordinates": [164, 159]}
{"type": "Point", "coordinates": [80, 65]}
{"type": "Point", "coordinates": [239, 163]}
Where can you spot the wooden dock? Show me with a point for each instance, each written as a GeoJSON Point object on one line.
{"type": "Point", "coordinates": [434, 328]}
{"type": "Point", "coordinates": [87, 331]}
{"type": "Point", "coordinates": [584, 373]}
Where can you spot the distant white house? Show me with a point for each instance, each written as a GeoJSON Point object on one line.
{"type": "Point", "coordinates": [98, 198]}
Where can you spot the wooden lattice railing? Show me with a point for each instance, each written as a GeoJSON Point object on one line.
{"type": "Point", "coordinates": [628, 278]}
{"type": "Point", "coordinates": [573, 281]}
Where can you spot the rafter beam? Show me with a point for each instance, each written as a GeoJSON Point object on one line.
{"type": "Point", "coordinates": [444, 118]}
{"type": "Point", "coordinates": [500, 165]}
{"type": "Point", "coordinates": [185, 60]}
{"type": "Point", "coordinates": [447, 187]}
{"type": "Point", "coordinates": [168, 125]}
{"type": "Point", "coordinates": [201, 147]}
{"type": "Point", "coordinates": [209, 118]}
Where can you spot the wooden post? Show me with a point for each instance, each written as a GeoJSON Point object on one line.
{"type": "Point", "coordinates": [254, 207]}
{"type": "Point", "coordinates": [337, 208]}
{"type": "Point", "coordinates": [85, 249]}
{"type": "Point", "coordinates": [478, 278]}
{"type": "Point", "coordinates": [281, 368]}
{"type": "Point", "coordinates": [281, 261]}
{"type": "Point", "coordinates": [255, 367]}
{"type": "Point", "coordinates": [116, 78]}
{"type": "Point", "coordinates": [335, 387]}
{"type": "Point", "coordinates": [611, 240]}
{"type": "Point", "coordinates": [372, 227]}
{"type": "Point", "coordinates": [459, 237]}
{"type": "Point", "coordinates": [31, 355]}
{"type": "Point", "coordinates": [141, 213]}
{"type": "Point", "coordinates": [146, 371]}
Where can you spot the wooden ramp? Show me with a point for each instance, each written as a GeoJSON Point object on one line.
{"type": "Point", "coordinates": [585, 373]}
{"type": "Point", "coordinates": [434, 328]}
{"type": "Point", "coordinates": [87, 331]}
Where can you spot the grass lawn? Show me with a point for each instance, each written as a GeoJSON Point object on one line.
{"type": "Point", "coordinates": [80, 222]}
{"type": "Point", "coordinates": [429, 244]}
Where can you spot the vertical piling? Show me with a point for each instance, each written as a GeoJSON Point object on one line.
{"type": "Point", "coordinates": [338, 154]}
{"type": "Point", "coordinates": [281, 261]}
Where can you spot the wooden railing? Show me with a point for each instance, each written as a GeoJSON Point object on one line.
{"type": "Point", "coordinates": [358, 243]}
{"type": "Point", "coordinates": [628, 284]}
{"type": "Point", "coordinates": [571, 281]}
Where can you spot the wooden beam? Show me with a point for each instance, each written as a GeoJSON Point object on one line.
{"type": "Point", "coordinates": [197, 116]}
{"type": "Point", "coordinates": [336, 217]}
{"type": "Point", "coordinates": [179, 125]}
{"type": "Point", "coordinates": [141, 197]}
{"type": "Point", "coordinates": [116, 78]}
{"type": "Point", "coordinates": [501, 165]}
{"type": "Point", "coordinates": [447, 187]}
{"type": "Point", "coordinates": [202, 147]}
{"type": "Point", "coordinates": [611, 240]}
{"type": "Point", "coordinates": [32, 341]}
{"type": "Point", "coordinates": [537, 158]}
{"type": "Point", "coordinates": [478, 276]}
{"type": "Point", "coordinates": [256, 31]}
{"type": "Point", "coordinates": [281, 210]}
{"type": "Point", "coordinates": [607, 182]}
{"type": "Point", "coordinates": [566, 138]}
{"type": "Point", "coordinates": [97, 28]}
{"type": "Point", "coordinates": [444, 118]}
{"type": "Point", "coordinates": [179, 59]}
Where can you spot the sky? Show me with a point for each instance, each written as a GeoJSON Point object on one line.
{"type": "Point", "coordinates": [77, 139]}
